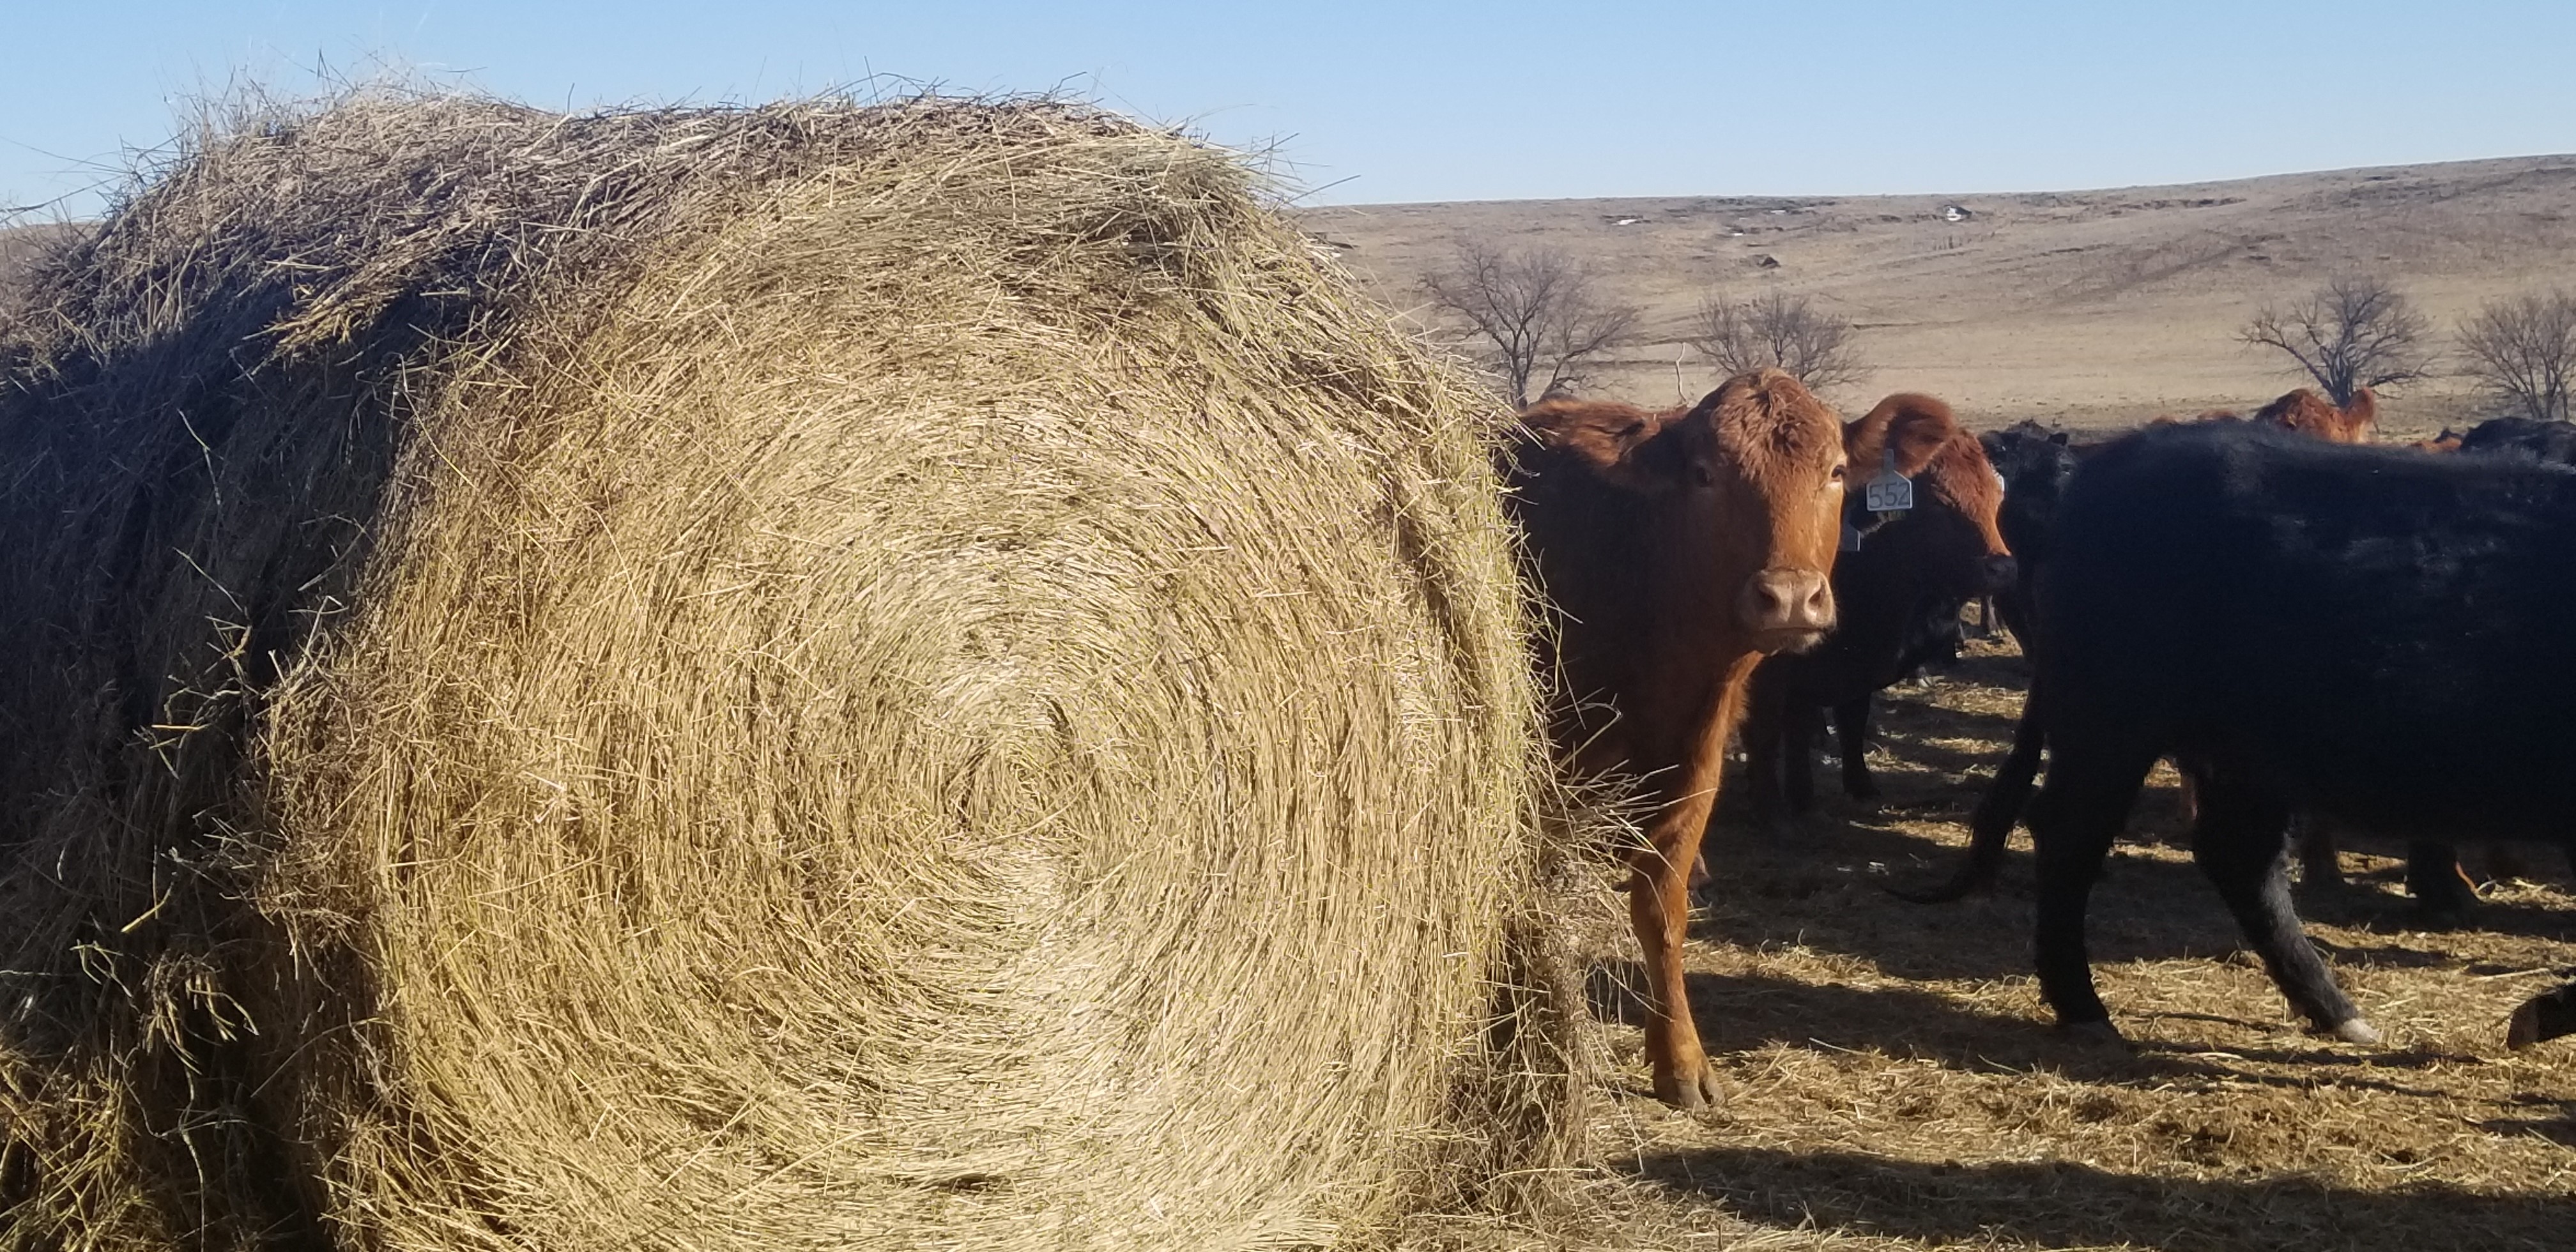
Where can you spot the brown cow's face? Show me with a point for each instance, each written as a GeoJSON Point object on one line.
{"type": "Point", "coordinates": [1773, 474]}
{"type": "Point", "coordinates": [1955, 535]}
{"type": "Point", "coordinates": [1743, 496]}
{"type": "Point", "coordinates": [1950, 543]}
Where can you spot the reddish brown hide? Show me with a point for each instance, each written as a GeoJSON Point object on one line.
{"type": "Point", "coordinates": [2311, 414]}
{"type": "Point", "coordinates": [1676, 549]}
{"type": "Point", "coordinates": [1892, 591]}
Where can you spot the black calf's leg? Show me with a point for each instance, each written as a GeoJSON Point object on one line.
{"type": "Point", "coordinates": [1765, 728]}
{"type": "Point", "coordinates": [1851, 721]}
{"type": "Point", "coordinates": [1798, 758]}
{"type": "Point", "coordinates": [2320, 869]}
{"type": "Point", "coordinates": [2433, 876]}
{"type": "Point", "coordinates": [2072, 823]}
{"type": "Point", "coordinates": [2241, 843]}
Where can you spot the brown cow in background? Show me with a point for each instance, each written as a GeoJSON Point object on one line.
{"type": "Point", "coordinates": [1676, 549]}
{"type": "Point", "coordinates": [2313, 415]}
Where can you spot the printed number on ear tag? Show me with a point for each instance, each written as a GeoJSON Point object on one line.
{"type": "Point", "coordinates": [1889, 492]}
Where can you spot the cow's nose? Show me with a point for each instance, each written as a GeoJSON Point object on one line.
{"type": "Point", "coordinates": [2000, 573]}
{"type": "Point", "coordinates": [1786, 607]}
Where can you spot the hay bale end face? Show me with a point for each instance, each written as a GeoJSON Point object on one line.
{"type": "Point", "coordinates": [741, 678]}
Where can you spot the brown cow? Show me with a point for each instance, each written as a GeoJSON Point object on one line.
{"type": "Point", "coordinates": [1898, 590]}
{"type": "Point", "coordinates": [2311, 414]}
{"type": "Point", "coordinates": [1678, 549]}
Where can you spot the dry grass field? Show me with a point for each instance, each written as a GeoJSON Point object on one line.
{"type": "Point", "coordinates": [2095, 308]}
{"type": "Point", "coordinates": [1892, 1080]}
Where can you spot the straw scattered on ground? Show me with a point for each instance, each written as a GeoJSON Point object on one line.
{"type": "Point", "coordinates": [1892, 1082]}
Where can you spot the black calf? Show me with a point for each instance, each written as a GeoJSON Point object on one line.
{"type": "Point", "coordinates": [2372, 635]}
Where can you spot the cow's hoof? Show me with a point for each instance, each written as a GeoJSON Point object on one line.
{"type": "Point", "coordinates": [2525, 1029]}
{"type": "Point", "coordinates": [1689, 1092]}
{"type": "Point", "coordinates": [2356, 1030]}
{"type": "Point", "coordinates": [2095, 1034]}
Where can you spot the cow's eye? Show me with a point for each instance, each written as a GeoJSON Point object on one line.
{"type": "Point", "coordinates": [1840, 473]}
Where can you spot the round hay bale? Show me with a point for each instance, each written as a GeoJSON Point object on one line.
{"type": "Point", "coordinates": [767, 678]}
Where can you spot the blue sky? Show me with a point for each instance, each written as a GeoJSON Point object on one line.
{"type": "Point", "coordinates": [1392, 101]}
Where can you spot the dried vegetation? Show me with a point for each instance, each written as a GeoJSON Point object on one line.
{"type": "Point", "coordinates": [811, 676]}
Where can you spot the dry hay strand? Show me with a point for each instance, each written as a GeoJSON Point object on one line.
{"type": "Point", "coordinates": [908, 675]}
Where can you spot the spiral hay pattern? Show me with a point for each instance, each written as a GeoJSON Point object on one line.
{"type": "Point", "coordinates": [812, 676]}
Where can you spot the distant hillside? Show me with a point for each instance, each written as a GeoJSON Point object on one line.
{"type": "Point", "coordinates": [2093, 307]}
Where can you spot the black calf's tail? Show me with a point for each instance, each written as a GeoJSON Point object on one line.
{"type": "Point", "coordinates": [1991, 828]}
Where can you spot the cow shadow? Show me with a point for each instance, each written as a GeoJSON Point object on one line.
{"type": "Point", "coordinates": [1743, 1013]}
{"type": "Point", "coordinates": [2071, 1204]}
{"type": "Point", "coordinates": [1830, 889]}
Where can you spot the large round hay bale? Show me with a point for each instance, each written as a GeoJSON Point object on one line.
{"type": "Point", "coordinates": [815, 676]}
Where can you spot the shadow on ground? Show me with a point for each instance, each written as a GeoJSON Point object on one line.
{"type": "Point", "coordinates": [2069, 1204]}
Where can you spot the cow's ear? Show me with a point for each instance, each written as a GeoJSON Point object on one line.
{"type": "Point", "coordinates": [1606, 437]}
{"type": "Point", "coordinates": [1915, 438]}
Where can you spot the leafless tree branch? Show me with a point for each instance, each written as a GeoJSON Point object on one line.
{"type": "Point", "coordinates": [2523, 350]}
{"type": "Point", "coordinates": [1537, 313]}
{"type": "Point", "coordinates": [1778, 331]}
{"type": "Point", "coordinates": [2352, 333]}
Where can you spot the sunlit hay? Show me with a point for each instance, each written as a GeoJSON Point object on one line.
{"type": "Point", "coordinates": [811, 676]}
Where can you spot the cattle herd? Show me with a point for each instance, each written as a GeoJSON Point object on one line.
{"type": "Point", "coordinates": [2321, 633]}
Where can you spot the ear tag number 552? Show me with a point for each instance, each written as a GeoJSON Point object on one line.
{"type": "Point", "coordinates": [1889, 491]}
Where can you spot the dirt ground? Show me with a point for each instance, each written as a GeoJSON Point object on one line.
{"type": "Point", "coordinates": [1892, 1080]}
{"type": "Point", "coordinates": [2087, 308]}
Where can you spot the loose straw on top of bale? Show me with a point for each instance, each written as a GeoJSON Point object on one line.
{"type": "Point", "coordinates": [754, 678]}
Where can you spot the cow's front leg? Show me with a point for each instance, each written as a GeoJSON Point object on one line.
{"type": "Point", "coordinates": [1659, 894]}
{"type": "Point", "coordinates": [1659, 906]}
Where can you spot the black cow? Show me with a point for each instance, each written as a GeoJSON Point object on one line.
{"type": "Point", "coordinates": [2372, 635]}
{"type": "Point", "coordinates": [2554, 442]}
{"type": "Point", "coordinates": [2034, 464]}
{"type": "Point", "coordinates": [2442, 891]}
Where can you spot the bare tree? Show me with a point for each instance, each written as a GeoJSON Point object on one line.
{"type": "Point", "coordinates": [1779, 331]}
{"type": "Point", "coordinates": [1536, 310]}
{"type": "Point", "coordinates": [2523, 349]}
{"type": "Point", "coordinates": [2352, 333]}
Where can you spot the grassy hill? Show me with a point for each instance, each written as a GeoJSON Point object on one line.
{"type": "Point", "coordinates": [2090, 307]}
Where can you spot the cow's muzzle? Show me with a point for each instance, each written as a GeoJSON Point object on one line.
{"type": "Point", "coordinates": [1999, 573]}
{"type": "Point", "coordinates": [1786, 609]}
